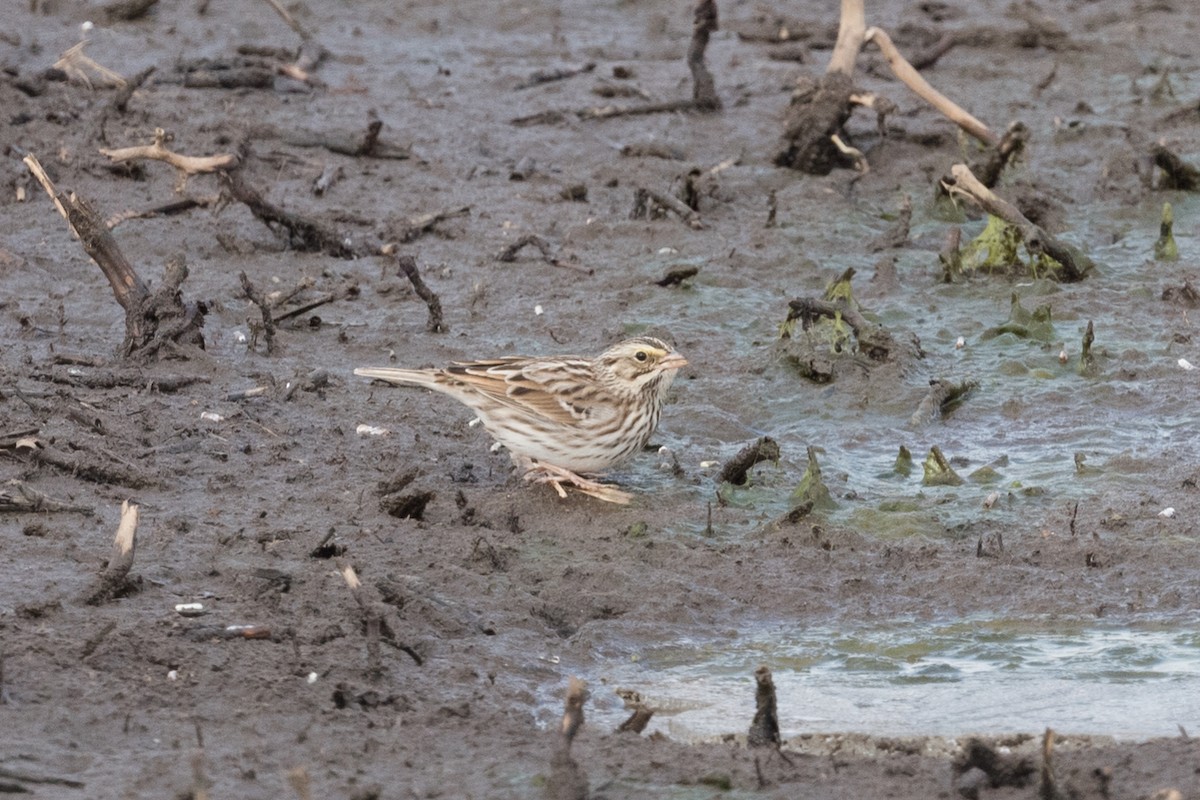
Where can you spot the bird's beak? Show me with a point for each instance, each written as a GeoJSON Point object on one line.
{"type": "Point", "coordinates": [673, 361]}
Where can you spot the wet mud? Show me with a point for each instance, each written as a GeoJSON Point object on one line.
{"type": "Point", "coordinates": [234, 660]}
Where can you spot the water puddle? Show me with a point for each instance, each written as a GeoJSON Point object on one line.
{"type": "Point", "coordinates": [995, 676]}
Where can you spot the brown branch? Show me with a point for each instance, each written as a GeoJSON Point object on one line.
{"type": "Point", "coordinates": [874, 341]}
{"type": "Point", "coordinates": [264, 307]}
{"type": "Point", "coordinates": [98, 243]}
{"type": "Point", "coordinates": [1010, 147]}
{"type": "Point", "coordinates": [372, 619]}
{"type": "Point", "coordinates": [941, 394]}
{"type": "Point", "coordinates": [704, 90]}
{"type": "Point", "coordinates": [421, 224]}
{"type": "Point", "coordinates": [735, 469]}
{"type": "Point", "coordinates": [304, 234]}
{"type": "Point", "coordinates": [22, 498]}
{"type": "Point", "coordinates": [126, 10]}
{"type": "Point", "coordinates": [641, 206]}
{"type": "Point", "coordinates": [1037, 240]}
{"type": "Point", "coordinates": [408, 268]}
{"type": "Point", "coordinates": [1177, 173]}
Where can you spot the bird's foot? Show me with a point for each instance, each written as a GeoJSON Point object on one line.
{"type": "Point", "coordinates": [537, 472]}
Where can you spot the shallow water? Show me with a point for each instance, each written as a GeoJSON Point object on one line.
{"type": "Point", "coordinates": [982, 676]}
{"type": "Point", "coordinates": [1031, 416]}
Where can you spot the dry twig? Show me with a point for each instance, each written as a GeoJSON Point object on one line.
{"type": "Point", "coordinates": [190, 165]}
{"type": "Point", "coordinates": [114, 581]}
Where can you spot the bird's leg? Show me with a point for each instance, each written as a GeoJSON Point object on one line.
{"type": "Point", "coordinates": [539, 472]}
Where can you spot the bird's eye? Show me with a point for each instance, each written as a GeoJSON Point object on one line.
{"type": "Point", "coordinates": [640, 355]}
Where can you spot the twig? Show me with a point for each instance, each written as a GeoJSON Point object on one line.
{"type": "Point", "coordinates": [1048, 789]}
{"type": "Point", "coordinates": [509, 254]}
{"type": "Point", "coordinates": [120, 100]}
{"type": "Point", "coordinates": [567, 780]}
{"type": "Point", "coordinates": [91, 470]}
{"type": "Point", "coordinates": [704, 90]}
{"type": "Point", "coordinates": [371, 619]}
{"type": "Point", "coordinates": [114, 581]}
{"type": "Point", "coordinates": [423, 223]}
{"type": "Point", "coordinates": [913, 80]}
{"type": "Point", "coordinates": [669, 202]}
{"type": "Point", "coordinates": [162, 210]}
{"type": "Point", "coordinates": [704, 93]}
{"type": "Point", "coordinates": [930, 55]}
{"type": "Point", "coordinates": [552, 75]}
{"type": "Point", "coordinates": [304, 234]}
{"type": "Point", "coordinates": [264, 307]}
{"type": "Point", "coordinates": [98, 243]}
{"type": "Point", "coordinates": [190, 165]}
{"type": "Point", "coordinates": [408, 267]}
{"type": "Point", "coordinates": [874, 341]}
{"type": "Point", "coordinates": [964, 183]}
{"type": "Point", "coordinates": [291, 21]}
{"type": "Point", "coordinates": [126, 10]}
{"type": "Point", "coordinates": [735, 469]}
{"type": "Point", "coordinates": [764, 729]}
{"type": "Point", "coordinates": [325, 299]}
{"type": "Point", "coordinates": [1177, 173]}
{"type": "Point", "coordinates": [77, 66]}
{"type": "Point", "coordinates": [941, 395]}
{"type": "Point", "coordinates": [18, 496]}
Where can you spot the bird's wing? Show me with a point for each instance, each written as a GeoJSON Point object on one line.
{"type": "Point", "coordinates": [560, 390]}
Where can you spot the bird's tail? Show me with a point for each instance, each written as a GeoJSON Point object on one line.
{"type": "Point", "coordinates": [416, 377]}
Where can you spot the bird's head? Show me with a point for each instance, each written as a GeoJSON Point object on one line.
{"type": "Point", "coordinates": [634, 365]}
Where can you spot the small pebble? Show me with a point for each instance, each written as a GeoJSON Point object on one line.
{"type": "Point", "coordinates": [960, 343]}
{"type": "Point", "coordinates": [189, 609]}
{"type": "Point", "coordinates": [211, 416]}
{"type": "Point", "coordinates": [371, 430]}
{"type": "Point", "coordinates": [1185, 364]}
{"type": "Point", "coordinates": [1167, 512]}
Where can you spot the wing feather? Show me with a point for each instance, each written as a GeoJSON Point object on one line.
{"type": "Point", "coordinates": [559, 390]}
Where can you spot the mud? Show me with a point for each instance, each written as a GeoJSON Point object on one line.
{"type": "Point", "coordinates": [494, 593]}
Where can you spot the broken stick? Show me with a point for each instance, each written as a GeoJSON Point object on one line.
{"type": "Point", "coordinates": [408, 268]}
{"type": "Point", "coordinates": [114, 580]}
{"type": "Point", "coordinates": [151, 320]}
{"type": "Point", "coordinates": [913, 80]}
{"type": "Point", "coordinates": [964, 183]}
{"type": "Point", "coordinates": [189, 165]}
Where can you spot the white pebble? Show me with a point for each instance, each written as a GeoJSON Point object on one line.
{"type": "Point", "coordinates": [960, 343]}
{"type": "Point", "coordinates": [1167, 512]}
{"type": "Point", "coordinates": [538, 310]}
{"type": "Point", "coordinates": [707, 464]}
{"type": "Point", "coordinates": [371, 430]}
{"type": "Point", "coordinates": [312, 677]}
{"type": "Point", "coordinates": [1185, 364]}
{"type": "Point", "coordinates": [239, 337]}
{"type": "Point", "coordinates": [189, 609]}
{"type": "Point", "coordinates": [211, 416]}
{"type": "Point", "coordinates": [87, 25]}
{"type": "Point", "coordinates": [666, 251]}
{"type": "Point", "coordinates": [173, 675]}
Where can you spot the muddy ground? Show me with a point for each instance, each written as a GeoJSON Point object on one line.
{"type": "Point", "coordinates": [496, 592]}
